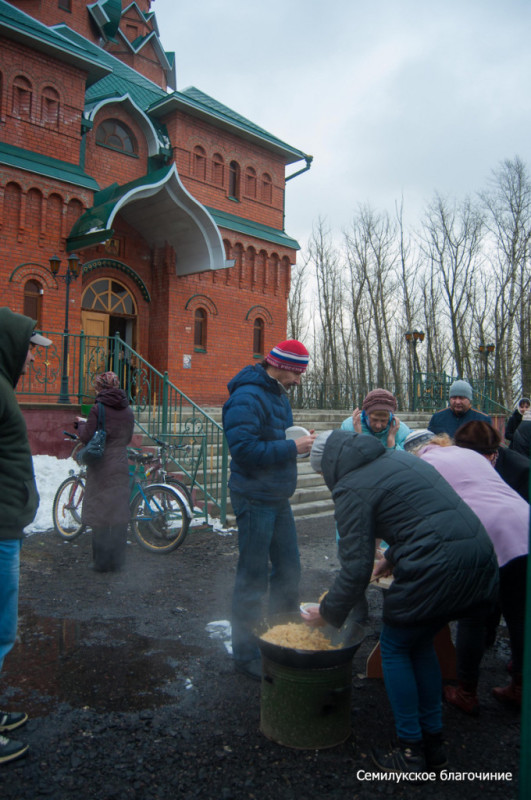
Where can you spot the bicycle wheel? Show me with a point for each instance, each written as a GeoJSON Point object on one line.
{"type": "Point", "coordinates": [67, 507]}
{"type": "Point", "coordinates": [181, 487]}
{"type": "Point", "coordinates": [159, 519]}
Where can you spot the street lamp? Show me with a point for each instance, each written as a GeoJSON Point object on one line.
{"type": "Point", "coordinates": [413, 338]}
{"type": "Point", "coordinates": [486, 350]}
{"type": "Point", "coordinates": [73, 269]}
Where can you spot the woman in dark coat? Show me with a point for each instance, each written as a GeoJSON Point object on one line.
{"type": "Point", "coordinates": [107, 490]}
{"type": "Point", "coordinates": [443, 564]}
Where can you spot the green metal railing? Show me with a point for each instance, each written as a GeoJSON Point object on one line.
{"type": "Point", "coordinates": [427, 392]}
{"type": "Point", "coordinates": [161, 410]}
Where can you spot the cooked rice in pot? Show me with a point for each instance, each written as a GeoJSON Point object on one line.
{"type": "Point", "coordinates": [298, 636]}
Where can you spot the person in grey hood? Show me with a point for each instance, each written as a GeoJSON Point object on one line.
{"type": "Point", "coordinates": [443, 564]}
{"type": "Point", "coordinates": [19, 499]}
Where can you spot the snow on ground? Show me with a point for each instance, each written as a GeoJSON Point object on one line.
{"type": "Point", "coordinates": [50, 472]}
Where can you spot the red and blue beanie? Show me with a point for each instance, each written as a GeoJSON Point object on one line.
{"type": "Point", "coordinates": [290, 355]}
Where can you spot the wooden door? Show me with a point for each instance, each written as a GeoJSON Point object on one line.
{"type": "Point", "coordinates": [96, 328]}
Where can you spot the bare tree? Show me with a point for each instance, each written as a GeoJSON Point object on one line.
{"type": "Point", "coordinates": [508, 204]}
{"type": "Point", "coordinates": [451, 240]}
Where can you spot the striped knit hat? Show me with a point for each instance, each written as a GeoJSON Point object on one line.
{"type": "Point", "coordinates": [290, 355]}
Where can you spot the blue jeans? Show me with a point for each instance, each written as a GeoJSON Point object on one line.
{"type": "Point", "coordinates": [266, 532]}
{"type": "Point", "coordinates": [9, 580]}
{"type": "Point", "coordinates": [412, 678]}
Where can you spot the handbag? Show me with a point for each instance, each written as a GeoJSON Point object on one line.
{"type": "Point", "coordinates": [94, 449]}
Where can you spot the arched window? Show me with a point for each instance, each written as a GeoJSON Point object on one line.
{"type": "Point", "coordinates": [250, 182]}
{"type": "Point", "coordinates": [50, 105]}
{"type": "Point", "coordinates": [107, 295]}
{"type": "Point", "coordinates": [258, 337]}
{"type": "Point", "coordinates": [234, 180]}
{"type": "Point", "coordinates": [200, 329]}
{"type": "Point", "coordinates": [22, 97]}
{"type": "Point", "coordinates": [33, 301]}
{"type": "Point", "coordinates": [199, 163]}
{"type": "Point", "coordinates": [267, 188]}
{"type": "Point", "coordinates": [114, 134]}
{"type": "Point", "coordinates": [218, 169]}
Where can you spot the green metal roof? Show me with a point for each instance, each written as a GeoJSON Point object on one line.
{"type": "Point", "coordinates": [44, 165]}
{"type": "Point", "coordinates": [122, 78]}
{"type": "Point", "coordinates": [196, 102]}
{"type": "Point", "coordinates": [21, 27]}
{"type": "Point", "coordinates": [241, 225]}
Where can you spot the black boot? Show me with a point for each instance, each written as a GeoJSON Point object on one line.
{"type": "Point", "coordinates": [434, 750]}
{"type": "Point", "coordinates": [406, 757]}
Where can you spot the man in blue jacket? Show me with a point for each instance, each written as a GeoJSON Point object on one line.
{"type": "Point", "coordinates": [458, 412]}
{"type": "Point", "coordinates": [263, 478]}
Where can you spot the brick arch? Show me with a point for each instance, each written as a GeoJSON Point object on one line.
{"type": "Point", "coordinates": [259, 311]}
{"type": "Point", "coordinates": [201, 301]}
{"type": "Point", "coordinates": [31, 270]}
{"type": "Point", "coordinates": [12, 205]}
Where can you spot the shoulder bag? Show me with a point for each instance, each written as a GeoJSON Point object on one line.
{"type": "Point", "coordinates": [94, 449]}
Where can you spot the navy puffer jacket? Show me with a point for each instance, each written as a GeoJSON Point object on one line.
{"type": "Point", "coordinates": [255, 418]}
{"type": "Point", "coordinates": [444, 562]}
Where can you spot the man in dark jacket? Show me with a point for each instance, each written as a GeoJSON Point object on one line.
{"type": "Point", "coordinates": [521, 442]}
{"type": "Point", "coordinates": [18, 492]}
{"type": "Point", "coordinates": [443, 565]}
{"type": "Point", "coordinates": [263, 478]}
{"type": "Point", "coordinates": [458, 412]}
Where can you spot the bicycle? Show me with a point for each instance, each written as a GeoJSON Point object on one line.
{"type": "Point", "coordinates": [160, 512]}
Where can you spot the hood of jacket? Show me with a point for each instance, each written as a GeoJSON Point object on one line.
{"type": "Point", "coordinates": [257, 375]}
{"type": "Point", "coordinates": [114, 398]}
{"type": "Point", "coordinates": [15, 333]}
{"type": "Point", "coordinates": [345, 452]}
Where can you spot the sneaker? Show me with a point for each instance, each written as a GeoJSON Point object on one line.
{"type": "Point", "coordinates": [253, 668]}
{"type": "Point", "coordinates": [8, 722]}
{"type": "Point", "coordinates": [462, 698]}
{"type": "Point", "coordinates": [434, 751]}
{"type": "Point", "coordinates": [407, 757]}
{"type": "Point", "coordinates": [11, 749]}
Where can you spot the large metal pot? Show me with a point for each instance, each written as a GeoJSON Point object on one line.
{"type": "Point", "coordinates": [349, 638]}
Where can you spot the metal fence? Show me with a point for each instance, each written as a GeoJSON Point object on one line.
{"type": "Point", "coordinates": [426, 392]}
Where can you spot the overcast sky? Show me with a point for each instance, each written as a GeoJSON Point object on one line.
{"type": "Point", "coordinates": [392, 98]}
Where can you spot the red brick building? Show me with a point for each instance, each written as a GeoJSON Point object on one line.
{"type": "Point", "coordinates": [173, 202]}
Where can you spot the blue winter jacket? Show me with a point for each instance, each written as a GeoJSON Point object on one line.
{"type": "Point", "coordinates": [255, 418]}
{"type": "Point", "coordinates": [446, 421]}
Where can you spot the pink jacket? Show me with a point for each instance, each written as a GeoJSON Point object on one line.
{"type": "Point", "coordinates": [504, 514]}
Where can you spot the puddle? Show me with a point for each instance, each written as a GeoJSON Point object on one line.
{"type": "Point", "coordinates": [102, 665]}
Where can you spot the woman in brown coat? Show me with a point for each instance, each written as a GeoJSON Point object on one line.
{"type": "Point", "coordinates": [106, 500]}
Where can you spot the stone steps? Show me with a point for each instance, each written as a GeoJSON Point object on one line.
{"type": "Point", "coordinates": [312, 497]}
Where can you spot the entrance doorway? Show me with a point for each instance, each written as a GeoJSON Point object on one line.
{"type": "Point", "coordinates": [107, 308]}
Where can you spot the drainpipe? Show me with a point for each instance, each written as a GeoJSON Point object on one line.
{"type": "Point", "coordinates": [309, 160]}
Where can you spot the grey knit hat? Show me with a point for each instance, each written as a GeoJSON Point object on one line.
{"type": "Point", "coordinates": [460, 389]}
{"type": "Point", "coordinates": [317, 451]}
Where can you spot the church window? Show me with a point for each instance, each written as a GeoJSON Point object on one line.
{"type": "Point", "coordinates": [199, 163]}
{"type": "Point", "coordinates": [50, 105]}
{"type": "Point", "coordinates": [114, 134]}
{"type": "Point", "coordinates": [267, 188]}
{"type": "Point", "coordinates": [217, 169]}
{"type": "Point", "coordinates": [66, 5]}
{"type": "Point", "coordinates": [250, 182]}
{"type": "Point", "coordinates": [234, 180]}
{"type": "Point", "coordinates": [200, 329]}
{"type": "Point", "coordinates": [258, 337]}
{"type": "Point", "coordinates": [33, 301]}
{"type": "Point", "coordinates": [22, 97]}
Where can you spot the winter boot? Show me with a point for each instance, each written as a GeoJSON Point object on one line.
{"type": "Point", "coordinates": [510, 694]}
{"type": "Point", "coordinates": [434, 750]}
{"type": "Point", "coordinates": [464, 697]}
{"type": "Point", "coordinates": [407, 757]}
